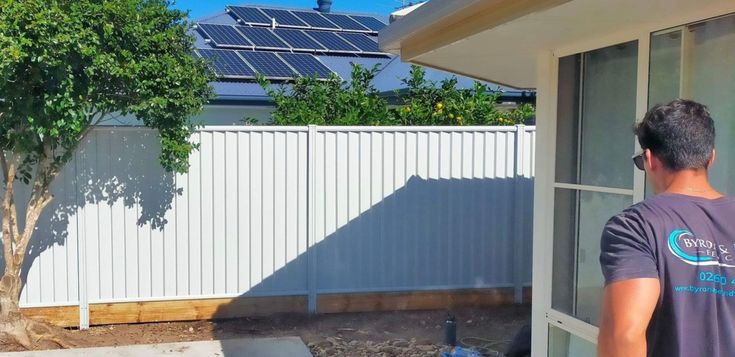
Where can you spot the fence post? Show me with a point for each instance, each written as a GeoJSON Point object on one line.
{"type": "Point", "coordinates": [311, 259]}
{"type": "Point", "coordinates": [518, 221]}
{"type": "Point", "coordinates": [81, 252]}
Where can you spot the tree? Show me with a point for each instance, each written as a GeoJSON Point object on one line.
{"type": "Point", "coordinates": [65, 67]}
{"type": "Point", "coordinates": [308, 100]}
{"type": "Point", "coordinates": [429, 103]}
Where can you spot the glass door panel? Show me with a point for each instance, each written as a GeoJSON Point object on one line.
{"type": "Point", "coordinates": [608, 113]}
{"type": "Point", "coordinates": [594, 174]}
{"type": "Point", "coordinates": [697, 62]}
{"type": "Point", "coordinates": [564, 344]}
{"type": "Point", "coordinates": [711, 80]}
{"type": "Point", "coordinates": [578, 220]}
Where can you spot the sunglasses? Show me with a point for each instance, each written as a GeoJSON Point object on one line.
{"type": "Point", "coordinates": [638, 160]}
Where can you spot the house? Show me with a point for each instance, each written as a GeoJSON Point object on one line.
{"type": "Point", "coordinates": [597, 66]}
{"type": "Point", "coordinates": [279, 42]}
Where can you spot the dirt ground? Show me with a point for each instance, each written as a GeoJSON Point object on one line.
{"type": "Point", "coordinates": [497, 324]}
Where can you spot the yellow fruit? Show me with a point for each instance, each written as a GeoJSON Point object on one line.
{"type": "Point", "coordinates": [439, 105]}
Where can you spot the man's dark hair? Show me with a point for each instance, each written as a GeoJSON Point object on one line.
{"type": "Point", "coordinates": [681, 134]}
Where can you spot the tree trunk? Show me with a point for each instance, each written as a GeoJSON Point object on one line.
{"type": "Point", "coordinates": [15, 245]}
{"type": "Point", "coordinates": [10, 283]}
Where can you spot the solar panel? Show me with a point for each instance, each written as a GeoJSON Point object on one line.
{"type": "Point", "coordinates": [267, 64]}
{"type": "Point", "coordinates": [298, 39]}
{"type": "Point", "coordinates": [306, 65]}
{"type": "Point", "coordinates": [250, 15]}
{"type": "Point", "coordinates": [345, 22]}
{"type": "Point", "coordinates": [224, 35]}
{"type": "Point", "coordinates": [361, 41]}
{"type": "Point", "coordinates": [369, 22]}
{"type": "Point", "coordinates": [331, 41]}
{"type": "Point", "coordinates": [284, 17]}
{"type": "Point", "coordinates": [315, 19]}
{"type": "Point", "coordinates": [226, 63]}
{"type": "Point", "coordinates": [263, 37]}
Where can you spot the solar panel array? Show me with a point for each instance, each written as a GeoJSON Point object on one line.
{"type": "Point", "coordinates": [225, 36]}
{"type": "Point", "coordinates": [268, 64]}
{"type": "Point", "coordinates": [262, 16]}
{"type": "Point", "coordinates": [264, 38]}
{"type": "Point", "coordinates": [306, 64]}
{"type": "Point", "coordinates": [227, 64]}
{"type": "Point", "coordinates": [285, 18]}
{"type": "Point", "coordinates": [233, 64]}
{"type": "Point", "coordinates": [268, 41]}
{"type": "Point", "coordinates": [362, 42]}
{"type": "Point", "coordinates": [299, 40]}
{"type": "Point", "coordinates": [369, 22]}
{"type": "Point", "coordinates": [332, 41]}
{"type": "Point", "coordinates": [345, 22]}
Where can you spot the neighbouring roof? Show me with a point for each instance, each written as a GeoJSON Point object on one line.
{"type": "Point", "coordinates": [246, 39]}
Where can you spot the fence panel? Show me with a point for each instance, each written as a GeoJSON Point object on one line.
{"type": "Point", "coordinates": [415, 210]}
{"type": "Point", "coordinates": [390, 209]}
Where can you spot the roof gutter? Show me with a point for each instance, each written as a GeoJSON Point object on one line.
{"type": "Point", "coordinates": [242, 100]}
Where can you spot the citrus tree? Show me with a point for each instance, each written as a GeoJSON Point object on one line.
{"type": "Point", "coordinates": [355, 101]}
{"type": "Point", "coordinates": [66, 66]}
{"type": "Point", "coordinates": [331, 101]}
{"type": "Point", "coordinates": [426, 102]}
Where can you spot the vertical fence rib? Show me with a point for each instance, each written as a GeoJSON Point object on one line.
{"type": "Point", "coordinates": [81, 250]}
{"type": "Point", "coordinates": [518, 221]}
{"type": "Point", "coordinates": [311, 219]}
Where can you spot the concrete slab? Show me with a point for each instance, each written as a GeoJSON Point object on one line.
{"type": "Point", "coordinates": [245, 347]}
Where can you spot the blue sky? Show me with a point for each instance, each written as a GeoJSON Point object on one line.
{"type": "Point", "coordinates": [200, 8]}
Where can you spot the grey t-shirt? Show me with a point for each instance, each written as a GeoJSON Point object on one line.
{"type": "Point", "coordinates": [688, 243]}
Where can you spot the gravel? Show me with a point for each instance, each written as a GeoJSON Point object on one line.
{"type": "Point", "coordinates": [335, 346]}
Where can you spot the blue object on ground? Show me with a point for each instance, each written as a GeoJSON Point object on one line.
{"type": "Point", "coordinates": [461, 352]}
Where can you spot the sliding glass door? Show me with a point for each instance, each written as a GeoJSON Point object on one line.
{"type": "Point", "coordinates": [600, 94]}
{"type": "Point", "coordinates": [594, 178]}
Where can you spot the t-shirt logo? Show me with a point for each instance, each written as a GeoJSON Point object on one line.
{"type": "Point", "coordinates": [700, 251]}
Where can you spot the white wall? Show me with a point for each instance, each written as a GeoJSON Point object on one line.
{"type": "Point", "coordinates": [214, 114]}
{"type": "Point", "coordinates": [232, 115]}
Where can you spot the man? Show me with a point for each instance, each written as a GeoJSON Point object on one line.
{"type": "Point", "coordinates": [669, 261]}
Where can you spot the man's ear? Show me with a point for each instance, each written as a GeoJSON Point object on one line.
{"type": "Point", "coordinates": [651, 162]}
{"type": "Point", "coordinates": [712, 159]}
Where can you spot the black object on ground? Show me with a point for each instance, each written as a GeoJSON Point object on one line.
{"type": "Point", "coordinates": [521, 345]}
{"type": "Point", "coordinates": [450, 331]}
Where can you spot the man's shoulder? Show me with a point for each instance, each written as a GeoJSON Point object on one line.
{"type": "Point", "coordinates": [662, 207]}
{"type": "Point", "coordinates": [638, 214]}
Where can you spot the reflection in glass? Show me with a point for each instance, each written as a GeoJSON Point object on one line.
{"type": "Point", "coordinates": [665, 68]}
{"type": "Point", "coordinates": [608, 113]}
{"type": "Point", "coordinates": [578, 221]}
{"type": "Point", "coordinates": [697, 63]}
{"type": "Point", "coordinates": [567, 119]}
{"type": "Point", "coordinates": [564, 344]}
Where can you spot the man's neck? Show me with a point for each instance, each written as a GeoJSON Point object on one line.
{"type": "Point", "coordinates": [692, 183]}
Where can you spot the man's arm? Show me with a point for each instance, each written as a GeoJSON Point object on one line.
{"type": "Point", "coordinates": [627, 308]}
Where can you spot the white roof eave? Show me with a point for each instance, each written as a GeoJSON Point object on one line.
{"type": "Point", "coordinates": [417, 20]}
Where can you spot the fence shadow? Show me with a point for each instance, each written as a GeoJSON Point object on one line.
{"type": "Point", "coordinates": [119, 168]}
{"type": "Point", "coordinates": [428, 234]}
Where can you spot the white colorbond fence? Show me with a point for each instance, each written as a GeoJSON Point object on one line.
{"type": "Point", "coordinates": [276, 211]}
